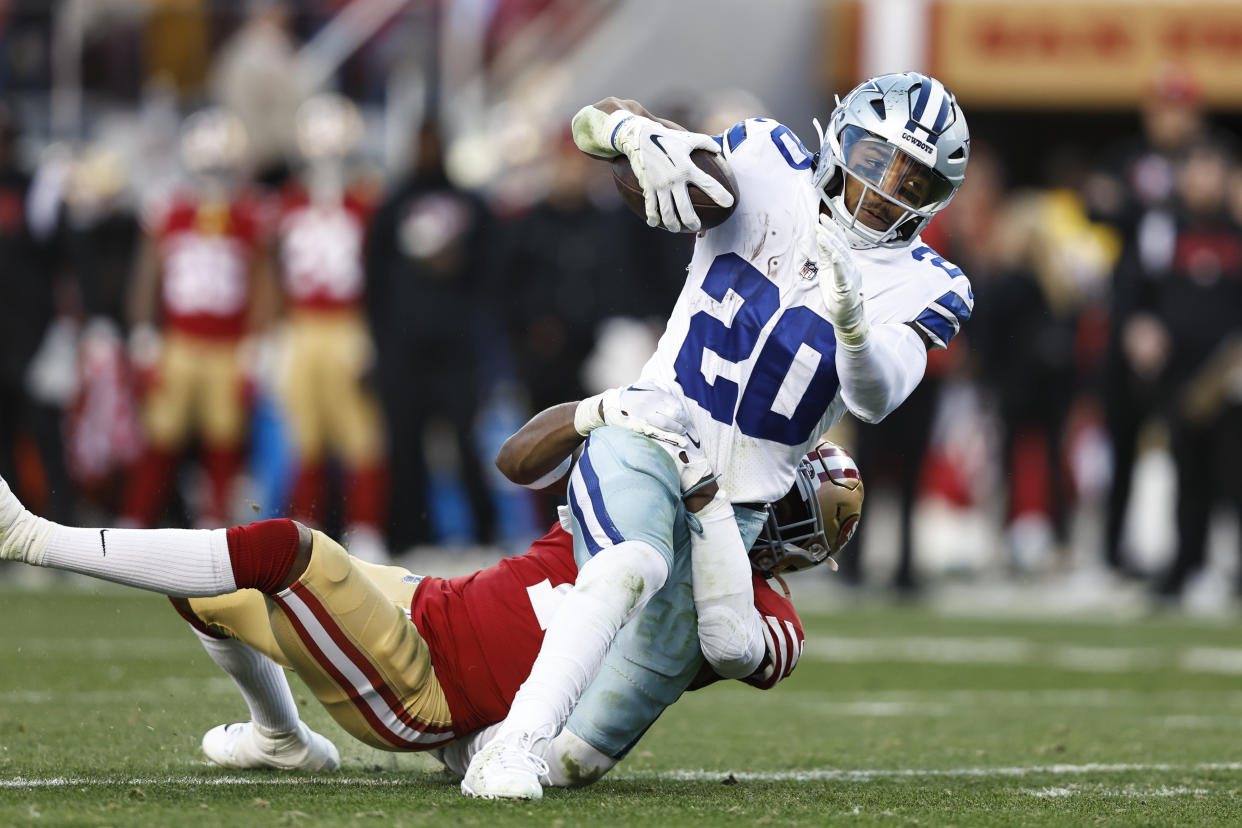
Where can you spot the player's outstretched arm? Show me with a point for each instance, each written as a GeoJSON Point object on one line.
{"type": "Point", "coordinates": [538, 455]}
{"type": "Point", "coordinates": [659, 153]}
{"type": "Point", "coordinates": [878, 366]}
{"type": "Point", "coordinates": [729, 627]}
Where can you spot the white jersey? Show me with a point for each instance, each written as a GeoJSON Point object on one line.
{"type": "Point", "coordinates": [749, 345]}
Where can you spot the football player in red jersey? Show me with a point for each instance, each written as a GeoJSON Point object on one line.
{"type": "Point", "coordinates": [276, 593]}
{"type": "Point", "coordinates": [200, 287]}
{"type": "Point", "coordinates": [331, 411]}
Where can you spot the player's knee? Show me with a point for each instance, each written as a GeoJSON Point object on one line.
{"type": "Point", "coordinates": [632, 570]}
{"type": "Point", "coordinates": [573, 763]}
{"type": "Point", "coordinates": [269, 555]}
{"type": "Point", "coordinates": [301, 559]}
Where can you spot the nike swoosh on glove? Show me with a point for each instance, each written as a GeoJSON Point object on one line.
{"type": "Point", "coordinates": [660, 158]}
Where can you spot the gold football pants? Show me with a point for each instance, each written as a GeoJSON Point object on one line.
{"type": "Point", "coordinates": [344, 627]}
{"type": "Point", "coordinates": [329, 410]}
{"type": "Point", "coordinates": [198, 390]}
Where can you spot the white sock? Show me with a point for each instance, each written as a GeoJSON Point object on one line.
{"type": "Point", "coordinates": [261, 681]}
{"type": "Point", "coordinates": [182, 562]}
{"type": "Point", "coordinates": [610, 588]}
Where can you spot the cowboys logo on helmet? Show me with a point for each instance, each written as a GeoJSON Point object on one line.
{"type": "Point", "coordinates": [893, 155]}
{"type": "Point", "coordinates": [816, 519]}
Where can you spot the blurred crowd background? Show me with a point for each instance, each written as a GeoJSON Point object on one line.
{"type": "Point", "coordinates": [319, 258]}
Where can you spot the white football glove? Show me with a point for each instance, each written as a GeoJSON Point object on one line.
{"type": "Point", "coordinates": [642, 408]}
{"type": "Point", "coordinates": [660, 158]}
{"type": "Point", "coordinates": [692, 466]}
{"type": "Point", "coordinates": [840, 282]}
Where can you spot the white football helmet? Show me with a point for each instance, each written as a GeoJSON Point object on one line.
{"type": "Point", "coordinates": [816, 519]}
{"type": "Point", "coordinates": [893, 155]}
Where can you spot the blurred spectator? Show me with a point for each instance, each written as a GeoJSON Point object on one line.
{"type": "Point", "coordinates": [1132, 191]}
{"type": "Point", "coordinates": [100, 233]}
{"type": "Point", "coordinates": [255, 75]}
{"type": "Point", "coordinates": [99, 238]}
{"type": "Point", "coordinates": [1192, 311]}
{"type": "Point", "coordinates": [332, 411]}
{"type": "Point", "coordinates": [31, 449]}
{"type": "Point", "coordinates": [199, 287]}
{"type": "Point", "coordinates": [1023, 335]}
{"type": "Point", "coordinates": [427, 262]}
{"type": "Point", "coordinates": [567, 268]}
{"type": "Point", "coordinates": [174, 40]}
{"type": "Point", "coordinates": [894, 451]}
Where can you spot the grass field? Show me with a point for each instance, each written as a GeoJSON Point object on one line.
{"type": "Point", "coordinates": [896, 715]}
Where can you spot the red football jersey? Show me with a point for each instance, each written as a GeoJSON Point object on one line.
{"type": "Point", "coordinates": [321, 251]}
{"type": "Point", "coordinates": [206, 253]}
{"type": "Point", "coordinates": [485, 629]}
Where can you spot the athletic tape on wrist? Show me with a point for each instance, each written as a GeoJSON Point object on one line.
{"type": "Point", "coordinates": [587, 416]}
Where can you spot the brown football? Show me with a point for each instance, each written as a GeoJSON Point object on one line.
{"type": "Point", "coordinates": [710, 213]}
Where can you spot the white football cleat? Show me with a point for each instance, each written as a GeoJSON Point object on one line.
{"type": "Point", "coordinates": [23, 536]}
{"type": "Point", "coordinates": [240, 746]}
{"type": "Point", "coordinates": [506, 769]}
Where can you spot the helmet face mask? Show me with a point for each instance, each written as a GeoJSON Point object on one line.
{"type": "Point", "coordinates": [815, 519]}
{"type": "Point", "coordinates": [893, 156]}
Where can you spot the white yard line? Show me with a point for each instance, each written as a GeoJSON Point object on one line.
{"type": "Point", "coordinates": [1017, 650]}
{"type": "Point", "coordinates": [810, 775]}
{"type": "Point", "coordinates": [862, 775]}
{"type": "Point", "coordinates": [1130, 791]}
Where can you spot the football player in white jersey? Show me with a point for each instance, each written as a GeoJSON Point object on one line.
{"type": "Point", "coordinates": [816, 296]}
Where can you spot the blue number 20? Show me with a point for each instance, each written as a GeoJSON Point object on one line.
{"type": "Point", "coordinates": [736, 342]}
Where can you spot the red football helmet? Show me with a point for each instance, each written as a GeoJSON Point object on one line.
{"type": "Point", "coordinates": [816, 519]}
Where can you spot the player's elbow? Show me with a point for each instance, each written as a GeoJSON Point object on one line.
{"type": "Point", "coordinates": [872, 404]}
{"type": "Point", "coordinates": [512, 462]}
{"type": "Point", "coordinates": [728, 643]}
{"type": "Point", "coordinates": [869, 415]}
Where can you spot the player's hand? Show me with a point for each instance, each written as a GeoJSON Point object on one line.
{"type": "Point", "coordinates": [693, 470]}
{"type": "Point", "coordinates": [840, 282]}
{"type": "Point", "coordinates": [642, 408]}
{"type": "Point", "coordinates": [660, 158]}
